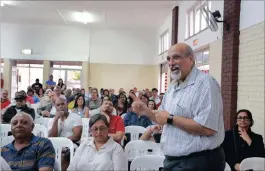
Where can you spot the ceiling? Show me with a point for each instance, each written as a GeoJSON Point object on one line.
{"type": "Point", "coordinates": [108, 14]}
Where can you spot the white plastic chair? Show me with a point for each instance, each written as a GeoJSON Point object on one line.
{"type": "Point", "coordinates": [147, 162]}
{"type": "Point", "coordinates": [35, 107]}
{"type": "Point", "coordinates": [134, 131]}
{"type": "Point", "coordinates": [43, 121]}
{"type": "Point", "coordinates": [137, 148]}
{"type": "Point", "coordinates": [40, 130]}
{"type": "Point", "coordinates": [59, 143]}
{"type": "Point", "coordinates": [254, 163]}
{"type": "Point", "coordinates": [227, 167]}
{"type": "Point", "coordinates": [85, 129]}
{"type": "Point", "coordinates": [6, 140]}
{"type": "Point", "coordinates": [4, 129]}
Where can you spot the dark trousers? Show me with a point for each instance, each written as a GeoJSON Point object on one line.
{"type": "Point", "coordinates": [210, 160]}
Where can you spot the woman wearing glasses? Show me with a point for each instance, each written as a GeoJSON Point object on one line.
{"type": "Point", "coordinates": [240, 142]}
{"type": "Point", "coordinates": [100, 153]}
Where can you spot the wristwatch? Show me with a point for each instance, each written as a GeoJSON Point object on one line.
{"type": "Point", "coordinates": [170, 119]}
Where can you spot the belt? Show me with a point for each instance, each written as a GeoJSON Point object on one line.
{"type": "Point", "coordinates": [200, 153]}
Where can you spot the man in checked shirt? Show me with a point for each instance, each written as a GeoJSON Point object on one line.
{"type": "Point", "coordinates": [191, 114]}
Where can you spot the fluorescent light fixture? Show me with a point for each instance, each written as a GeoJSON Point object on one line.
{"type": "Point", "coordinates": [84, 17]}
{"type": "Point", "coordinates": [26, 51]}
{"type": "Point", "coordinates": [2, 4]}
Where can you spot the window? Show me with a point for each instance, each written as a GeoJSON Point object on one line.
{"type": "Point", "coordinates": [202, 58]}
{"type": "Point", "coordinates": [163, 42]}
{"type": "Point", "coordinates": [24, 75]}
{"type": "Point", "coordinates": [70, 74]}
{"type": "Point", "coordinates": [195, 21]}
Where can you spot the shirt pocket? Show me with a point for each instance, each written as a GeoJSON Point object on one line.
{"type": "Point", "coordinates": [184, 104]}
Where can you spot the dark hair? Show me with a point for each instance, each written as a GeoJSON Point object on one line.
{"type": "Point", "coordinates": [105, 91]}
{"type": "Point", "coordinates": [93, 119]}
{"type": "Point", "coordinates": [154, 89]}
{"type": "Point", "coordinates": [249, 116]}
{"type": "Point", "coordinates": [38, 92]}
{"type": "Point", "coordinates": [76, 99]}
{"type": "Point", "coordinates": [37, 80]}
{"type": "Point", "coordinates": [154, 103]}
{"type": "Point", "coordinates": [30, 90]}
{"type": "Point", "coordinates": [144, 95]}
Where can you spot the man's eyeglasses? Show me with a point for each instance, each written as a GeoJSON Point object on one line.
{"type": "Point", "coordinates": [245, 118]}
{"type": "Point", "coordinates": [100, 129]}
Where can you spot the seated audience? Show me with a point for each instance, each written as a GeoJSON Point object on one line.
{"type": "Point", "coordinates": [40, 93]}
{"type": "Point", "coordinates": [68, 94]}
{"type": "Point", "coordinates": [144, 98]}
{"type": "Point", "coordinates": [72, 97]}
{"type": "Point", "coordinates": [29, 99]}
{"type": "Point", "coordinates": [5, 102]}
{"type": "Point", "coordinates": [98, 110]}
{"type": "Point", "coordinates": [131, 118]}
{"type": "Point", "coordinates": [80, 108]}
{"type": "Point", "coordinates": [50, 84]}
{"type": "Point", "coordinates": [58, 92]}
{"type": "Point", "coordinates": [94, 101]}
{"type": "Point", "coordinates": [155, 96]}
{"type": "Point", "coordinates": [49, 110]}
{"type": "Point", "coordinates": [37, 85]}
{"type": "Point", "coordinates": [152, 133]}
{"type": "Point", "coordinates": [161, 96]}
{"type": "Point", "coordinates": [27, 151]}
{"type": "Point", "coordinates": [4, 165]}
{"type": "Point", "coordinates": [65, 124]}
{"type": "Point", "coordinates": [61, 84]}
{"type": "Point", "coordinates": [20, 106]}
{"type": "Point", "coordinates": [241, 143]}
{"type": "Point", "coordinates": [116, 125]}
{"type": "Point", "coordinates": [30, 93]}
{"type": "Point", "coordinates": [100, 153]}
{"type": "Point", "coordinates": [113, 97]}
{"type": "Point", "coordinates": [45, 100]}
{"type": "Point", "coordinates": [122, 104]}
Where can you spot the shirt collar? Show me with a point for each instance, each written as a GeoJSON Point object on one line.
{"type": "Point", "coordinates": [190, 79]}
{"type": "Point", "coordinates": [108, 143]}
{"type": "Point", "coordinates": [34, 139]}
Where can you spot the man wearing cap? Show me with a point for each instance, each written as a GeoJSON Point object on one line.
{"type": "Point", "coordinates": [20, 106]}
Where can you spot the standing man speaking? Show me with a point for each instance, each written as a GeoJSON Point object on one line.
{"type": "Point", "coordinates": [191, 114]}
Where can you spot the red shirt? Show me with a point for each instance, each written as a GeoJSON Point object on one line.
{"type": "Point", "coordinates": [30, 100]}
{"type": "Point", "coordinates": [116, 124]}
{"type": "Point", "coordinates": [4, 103]}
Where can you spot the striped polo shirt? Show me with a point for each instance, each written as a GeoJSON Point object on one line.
{"type": "Point", "coordinates": [39, 153]}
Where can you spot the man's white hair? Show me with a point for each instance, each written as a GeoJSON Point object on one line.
{"type": "Point", "coordinates": [23, 114]}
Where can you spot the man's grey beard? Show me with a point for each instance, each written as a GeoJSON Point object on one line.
{"type": "Point", "coordinates": [176, 77]}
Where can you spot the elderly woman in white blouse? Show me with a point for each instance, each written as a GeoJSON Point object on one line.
{"type": "Point", "coordinates": [100, 153]}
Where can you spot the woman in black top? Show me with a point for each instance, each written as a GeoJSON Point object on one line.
{"type": "Point", "coordinates": [241, 143]}
{"type": "Point", "coordinates": [61, 84]}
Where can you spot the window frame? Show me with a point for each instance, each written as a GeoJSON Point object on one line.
{"type": "Point", "coordinates": [163, 42]}
{"type": "Point", "coordinates": [198, 5]}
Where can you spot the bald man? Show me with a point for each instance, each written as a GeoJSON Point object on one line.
{"type": "Point", "coordinates": [191, 114]}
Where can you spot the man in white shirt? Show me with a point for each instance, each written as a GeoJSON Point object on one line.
{"type": "Point", "coordinates": [65, 124]}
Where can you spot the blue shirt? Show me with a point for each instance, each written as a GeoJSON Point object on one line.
{"type": "Point", "coordinates": [49, 82]}
{"type": "Point", "coordinates": [199, 98]}
{"type": "Point", "coordinates": [36, 99]}
{"type": "Point", "coordinates": [132, 118]}
{"type": "Point", "coordinates": [39, 153]}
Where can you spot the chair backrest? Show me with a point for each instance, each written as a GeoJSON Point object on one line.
{"type": "Point", "coordinates": [6, 140]}
{"type": "Point", "coordinates": [227, 167]}
{"type": "Point", "coordinates": [59, 143]}
{"type": "Point", "coordinates": [254, 163]}
{"type": "Point", "coordinates": [137, 148]}
{"type": "Point", "coordinates": [85, 129]}
{"type": "Point", "coordinates": [42, 121]}
{"type": "Point", "coordinates": [35, 107]}
{"type": "Point", "coordinates": [134, 131]}
{"type": "Point", "coordinates": [4, 129]}
{"type": "Point", "coordinates": [40, 130]}
{"type": "Point", "coordinates": [147, 162]}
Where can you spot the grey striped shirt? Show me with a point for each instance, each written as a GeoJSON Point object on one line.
{"type": "Point", "coordinates": [199, 98]}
